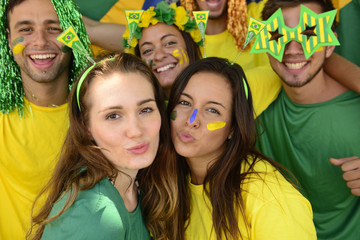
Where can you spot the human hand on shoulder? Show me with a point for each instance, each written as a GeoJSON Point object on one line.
{"type": "Point", "coordinates": [351, 168]}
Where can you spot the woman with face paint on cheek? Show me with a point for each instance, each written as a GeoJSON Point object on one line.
{"type": "Point", "coordinates": [233, 191]}
{"type": "Point", "coordinates": [169, 41]}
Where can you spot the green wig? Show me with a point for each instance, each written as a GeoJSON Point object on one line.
{"type": "Point", "coordinates": [11, 90]}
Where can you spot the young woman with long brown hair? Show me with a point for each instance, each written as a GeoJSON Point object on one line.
{"type": "Point", "coordinates": [226, 188]}
{"type": "Point", "coordinates": [117, 128]}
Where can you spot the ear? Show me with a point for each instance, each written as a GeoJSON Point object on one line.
{"type": "Point", "coordinates": [330, 49]}
{"type": "Point", "coordinates": [9, 37]}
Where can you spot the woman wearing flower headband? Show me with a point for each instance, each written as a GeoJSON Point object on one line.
{"type": "Point", "coordinates": [118, 127]}
{"type": "Point", "coordinates": [226, 188]}
{"type": "Point", "coordinates": [167, 39]}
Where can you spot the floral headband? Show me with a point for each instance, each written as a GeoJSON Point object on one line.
{"type": "Point", "coordinates": [165, 13]}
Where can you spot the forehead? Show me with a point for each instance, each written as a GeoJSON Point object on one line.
{"type": "Point", "coordinates": [32, 10]}
{"type": "Point", "coordinates": [121, 86]}
{"type": "Point", "coordinates": [291, 15]}
{"type": "Point", "coordinates": [209, 85]}
{"type": "Point", "coordinates": [154, 33]}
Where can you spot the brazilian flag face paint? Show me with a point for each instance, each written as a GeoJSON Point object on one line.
{"type": "Point", "coordinates": [313, 32]}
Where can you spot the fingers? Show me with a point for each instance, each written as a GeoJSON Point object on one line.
{"type": "Point", "coordinates": [351, 168]}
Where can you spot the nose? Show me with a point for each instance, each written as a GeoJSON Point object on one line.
{"type": "Point", "coordinates": [134, 129]}
{"type": "Point", "coordinates": [193, 121]}
{"type": "Point", "coordinates": [294, 48]}
{"type": "Point", "coordinates": [159, 54]}
{"type": "Point", "coordinates": [40, 38]}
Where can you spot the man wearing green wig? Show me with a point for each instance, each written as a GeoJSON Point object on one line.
{"type": "Point", "coordinates": [36, 73]}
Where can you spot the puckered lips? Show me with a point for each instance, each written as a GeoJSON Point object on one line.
{"type": "Point", "coordinates": [42, 60]}
{"type": "Point", "coordinates": [186, 137]}
{"type": "Point", "coordinates": [139, 148]}
{"type": "Point", "coordinates": [213, 4]}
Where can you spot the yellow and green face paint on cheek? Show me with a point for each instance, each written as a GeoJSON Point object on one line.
{"type": "Point", "coordinates": [17, 46]}
{"type": "Point", "coordinates": [181, 55]}
{"type": "Point", "coordinates": [313, 32]}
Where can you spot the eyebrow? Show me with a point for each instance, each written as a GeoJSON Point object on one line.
{"type": "Point", "coordinates": [28, 22]}
{"type": "Point", "coordinates": [162, 38]}
{"type": "Point", "coordinates": [121, 107]}
{"type": "Point", "coordinates": [209, 102]}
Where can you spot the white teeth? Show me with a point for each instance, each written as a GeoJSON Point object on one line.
{"type": "Point", "coordinates": [164, 68]}
{"type": "Point", "coordinates": [42, 56]}
{"type": "Point", "coordinates": [295, 65]}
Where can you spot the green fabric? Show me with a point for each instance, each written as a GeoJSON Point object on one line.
{"type": "Point", "coordinates": [97, 213]}
{"type": "Point", "coordinates": [94, 10]}
{"type": "Point", "coordinates": [303, 138]}
{"type": "Point", "coordinates": [349, 32]}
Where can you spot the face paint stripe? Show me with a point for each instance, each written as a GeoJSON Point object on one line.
{"type": "Point", "coordinates": [215, 125]}
{"type": "Point", "coordinates": [193, 116]}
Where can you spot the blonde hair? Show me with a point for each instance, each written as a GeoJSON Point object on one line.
{"type": "Point", "coordinates": [236, 20]}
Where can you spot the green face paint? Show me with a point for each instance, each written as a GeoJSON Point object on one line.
{"type": "Point", "coordinates": [173, 115]}
{"type": "Point", "coordinates": [151, 64]}
{"type": "Point", "coordinates": [17, 41]}
{"type": "Point", "coordinates": [65, 49]}
{"type": "Point", "coordinates": [215, 125]}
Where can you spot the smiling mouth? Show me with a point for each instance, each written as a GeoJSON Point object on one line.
{"type": "Point", "coordinates": [42, 56]}
{"type": "Point", "coordinates": [165, 68]}
{"type": "Point", "coordinates": [295, 65]}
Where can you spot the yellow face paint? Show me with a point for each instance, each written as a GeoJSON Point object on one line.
{"type": "Point", "coordinates": [19, 48]}
{"type": "Point", "coordinates": [215, 125]}
{"type": "Point", "coordinates": [181, 55]}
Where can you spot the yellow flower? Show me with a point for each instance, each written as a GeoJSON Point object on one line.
{"type": "Point", "coordinates": [126, 36]}
{"type": "Point", "coordinates": [196, 35]}
{"type": "Point", "coordinates": [148, 18]}
{"type": "Point", "coordinates": [173, 6]}
{"type": "Point", "coordinates": [181, 17]}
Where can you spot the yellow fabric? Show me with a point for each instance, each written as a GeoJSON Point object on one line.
{"type": "Point", "coordinates": [29, 148]}
{"type": "Point", "coordinates": [265, 86]}
{"type": "Point", "coordinates": [117, 15]}
{"type": "Point", "coordinates": [274, 209]}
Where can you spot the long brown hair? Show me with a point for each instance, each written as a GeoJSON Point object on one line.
{"type": "Point", "coordinates": [82, 164]}
{"type": "Point", "coordinates": [224, 177]}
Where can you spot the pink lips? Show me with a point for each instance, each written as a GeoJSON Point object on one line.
{"type": "Point", "coordinates": [139, 149]}
{"type": "Point", "coordinates": [186, 137]}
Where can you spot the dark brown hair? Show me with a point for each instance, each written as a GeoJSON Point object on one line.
{"type": "Point", "coordinates": [224, 177]}
{"type": "Point", "coordinates": [82, 164]}
{"type": "Point", "coordinates": [271, 6]}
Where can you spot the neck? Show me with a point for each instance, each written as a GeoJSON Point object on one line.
{"type": "Point", "coordinates": [198, 168]}
{"type": "Point", "coordinates": [321, 88]}
{"type": "Point", "coordinates": [47, 94]}
{"type": "Point", "coordinates": [216, 26]}
{"type": "Point", "coordinates": [126, 186]}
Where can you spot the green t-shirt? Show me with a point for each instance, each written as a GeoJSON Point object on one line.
{"type": "Point", "coordinates": [303, 138]}
{"type": "Point", "coordinates": [97, 213]}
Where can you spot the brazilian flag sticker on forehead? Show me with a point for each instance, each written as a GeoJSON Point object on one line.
{"type": "Point", "coordinates": [313, 32]}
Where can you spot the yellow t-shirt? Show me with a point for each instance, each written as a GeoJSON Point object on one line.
{"type": "Point", "coordinates": [29, 148]}
{"type": "Point", "coordinates": [273, 207]}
